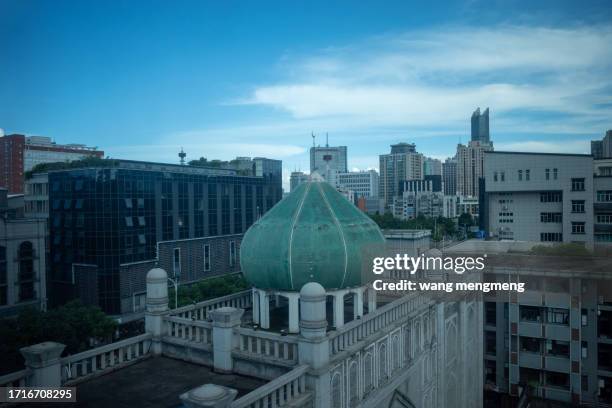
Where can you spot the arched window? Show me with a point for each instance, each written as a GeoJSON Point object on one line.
{"type": "Point", "coordinates": [353, 385]}
{"type": "Point", "coordinates": [3, 277]}
{"type": "Point", "coordinates": [382, 363]}
{"type": "Point", "coordinates": [407, 344]}
{"type": "Point", "coordinates": [368, 372]}
{"type": "Point", "coordinates": [25, 257]}
{"type": "Point", "coordinates": [395, 353]}
{"type": "Point", "coordinates": [337, 391]}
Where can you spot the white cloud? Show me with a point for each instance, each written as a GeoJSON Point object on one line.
{"type": "Point", "coordinates": [437, 77]}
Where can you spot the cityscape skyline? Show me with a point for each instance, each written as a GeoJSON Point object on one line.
{"type": "Point", "coordinates": [316, 72]}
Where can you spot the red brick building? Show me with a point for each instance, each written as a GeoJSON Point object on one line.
{"type": "Point", "coordinates": [19, 153]}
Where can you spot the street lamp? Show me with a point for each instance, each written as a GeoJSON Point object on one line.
{"type": "Point", "coordinates": [175, 283]}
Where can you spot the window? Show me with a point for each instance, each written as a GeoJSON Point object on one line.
{"type": "Point", "coordinates": [577, 227]}
{"type": "Point", "coordinates": [495, 176]}
{"type": "Point", "coordinates": [141, 221]}
{"type": "Point", "coordinates": [176, 262]}
{"type": "Point", "coordinates": [142, 240]}
{"type": "Point", "coordinates": [550, 197]}
{"type": "Point", "coordinates": [129, 222]}
{"type": "Point", "coordinates": [26, 271]}
{"type": "Point", "coordinates": [604, 195]}
{"type": "Point", "coordinates": [551, 237]}
{"type": "Point", "coordinates": [555, 174]}
{"type": "Point", "coordinates": [604, 218]}
{"type": "Point", "coordinates": [584, 349]}
{"type": "Point", "coordinates": [578, 184]}
{"type": "Point", "coordinates": [3, 277]}
{"type": "Point", "coordinates": [530, 314]}
{"type": "Point", "coordinates": [503, 176]}
{"type": "Point", "coordinates": [207, 257]}
{"type": "Point", "coordinates": [527, 175]}
{"type": "Point", "coordinates": [557, 316]}
{"type": "Point", "coordinates": [128, 202]}
{"type": "Point", "coordinates": [577, 206]}
{"type": "Point", "coordinates": [232, 253]}
{"type": "Point", "coordinates": [520, 175]}
{"type": "Point", "coordinates": [550, 217]}
{"type": "Point", "coordinates": [547, 172]}
{"type": "Point", "coordinates": [557, 348]}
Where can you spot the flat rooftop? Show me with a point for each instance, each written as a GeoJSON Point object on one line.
{"type": "Point", "coordinates": [154, 382]}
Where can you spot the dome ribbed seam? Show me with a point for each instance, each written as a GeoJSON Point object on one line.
{"type": "Point", "coordinates": [295, 219]}
{"type": "Point", "coordinates": [339, 226]}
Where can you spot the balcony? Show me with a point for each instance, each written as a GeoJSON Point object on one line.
{"type": "Point", "coordinates": [557, 332]}
{"type": "Point", "coordinates": [558, 364]}
{"type": "Point", "coordinates": [530, 360]}
{"type": "Point", "coordinates": [530, 329]}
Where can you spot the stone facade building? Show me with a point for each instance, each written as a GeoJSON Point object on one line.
{"type": "Point", "coordinates": [22, 258]}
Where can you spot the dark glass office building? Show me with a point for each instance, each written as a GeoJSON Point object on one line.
{"type": "Point", "coordinates": [107, 217]}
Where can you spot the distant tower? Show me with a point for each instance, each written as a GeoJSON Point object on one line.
{"type": "Point", "coordinates": [182, 156]}
{"type": "Point", "coordinates": [480, 126]}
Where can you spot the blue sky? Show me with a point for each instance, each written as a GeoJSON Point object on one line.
{"type": "Point", "coordinates": [140, 79]}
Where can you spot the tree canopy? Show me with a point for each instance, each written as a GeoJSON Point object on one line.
{"type": "Point", "coordinates": [91, 161]}
{"type": "Point", "coordinates": [77, 326]}
{"type": "Point", "coordinates": [439, 226]}
{"type": "Point", "coordinates": [208, 289]}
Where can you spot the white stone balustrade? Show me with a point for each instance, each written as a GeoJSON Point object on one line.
{"type": "Point", "coordinates": [196, 331]}
{"type": "Point", "coordinates": [282, 391]}
{"type": "Point", "coordinates": [99, 360]}
{"type": "Point", "coordinates": [267, 346]}
{"type": "Point", "coordinates": [16, 379]}
{"type": "Point", "coordinates": [371, 323]}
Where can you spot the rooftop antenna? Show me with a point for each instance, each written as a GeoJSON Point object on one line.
{"type": "Point", "coordinates": [182, 156]}
{"type": "Point", "coordinates": [313, 138]}
{"type": "Point", "coordinates": [326, 139]}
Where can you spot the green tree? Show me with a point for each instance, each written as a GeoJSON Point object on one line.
{"type": "Point", "coordinates": [76, 325]}
{"type": "Point", "coordinates": [208, 289]}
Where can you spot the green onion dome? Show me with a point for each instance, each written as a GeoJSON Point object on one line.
{"type": "Point", "coordinates": [313, 235]}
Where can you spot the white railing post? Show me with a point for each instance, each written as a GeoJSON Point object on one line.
{"type": "Point", "coordinates": [313, 343]}
{"type": "Point", "coordinates": [157, 307]}
{"type": "Point", "coordinates": [225, 320]}
{"type": "Point", "coordinates": [44, 361]}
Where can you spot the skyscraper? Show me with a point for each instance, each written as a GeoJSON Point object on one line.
{"type": "Point", "coordinates": [297, 178]}
{"type": "Point", "coordinates": [602, 149]}
{"type": "Point", "coordinates": [480, 126]}
{"type": "Point", "coordinates": [328, 162]}
{"type": "Point", "coordinates": [403, 163]}
{"type": "Point", "coordinates": [432, 167]}
{"type": "Point", "coordinates": [470, 158]}
{"type": "Point", "coordinates": [449, 176]}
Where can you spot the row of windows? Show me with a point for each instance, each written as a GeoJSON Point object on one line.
{"type": "Point", "coordinates": [506, 221]}
{"type": "Point", "coordinates": [604, 218]}
{"type": "Point", "coordinates": [176, 258]}
{"type": "Point", "coordinates": [506, 214]}
{"type": "Point", "coordinates": [551, 237]}
{"type": "Point", "coordinates": [550, 217]}
{"type": "Point", "coordinates": [603, 237]}
{"type": "Point", "coordinates": [550, 197]}
{"type": "Point", "coordinates": [604, 195]}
